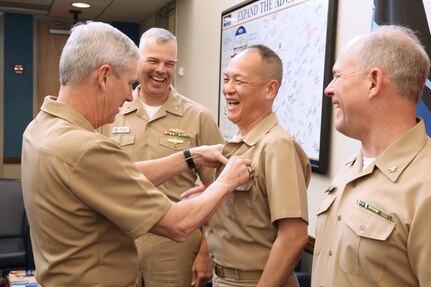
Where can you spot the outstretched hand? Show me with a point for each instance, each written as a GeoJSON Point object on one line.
{"type": "Point", "coordinates": [237, 172]}
{"type": "Point", "coordinates": [208, 156]}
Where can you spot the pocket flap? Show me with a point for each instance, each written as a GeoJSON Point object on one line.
{"type": "Point", "coordinates": [122, 139]}
{"type": "Point", "coordinates": [246, 186]}
{"type": "Point", "coordinates": [175, 143]}
{"type": "Point", "coordinates": [369, 225]}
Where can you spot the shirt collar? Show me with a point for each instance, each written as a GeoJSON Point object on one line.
{"type": "Point", "coordinates": [261, 129]}
{"type": "Point", "coordinates": [395, 159]}
{"type": "Point", "coordinates": [66, 112]}
{"type": "Point", "coordinates": [172, 104]}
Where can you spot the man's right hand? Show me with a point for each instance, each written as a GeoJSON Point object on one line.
{"type": "Point", "coordinates": [208, 155]}
{"type": "Point", "coordinates": [236, 172]}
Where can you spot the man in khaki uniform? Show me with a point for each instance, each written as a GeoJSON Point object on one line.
{"type": "Point", "coordinates": [159, 122]}
{"type": "Point", "coordinates": [85, 199]}
{"type": "Point", "coordinates": [373, 225]}
{"type": "Point", "coordinates": [257, 237]}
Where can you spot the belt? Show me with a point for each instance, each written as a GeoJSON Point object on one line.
{"type": "Point", "coordinates": [226, 272]}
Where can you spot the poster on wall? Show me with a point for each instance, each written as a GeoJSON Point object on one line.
{"type": "Point", "coordinates": [302, 33]}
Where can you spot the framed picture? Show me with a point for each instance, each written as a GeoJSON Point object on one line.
{"type": "Point", "coordinates": [302, 33]}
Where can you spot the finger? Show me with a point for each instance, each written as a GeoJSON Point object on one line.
{"type": "Point", "coordinates": [221, 158]}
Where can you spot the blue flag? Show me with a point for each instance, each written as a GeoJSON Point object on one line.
{"type": "Point", "coordinates": [412, 14]}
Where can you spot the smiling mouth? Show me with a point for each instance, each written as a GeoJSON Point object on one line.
{"type": "Point", "coordinates": [158, 80]}
{"type": "Point", "coordinates": [232, 103]}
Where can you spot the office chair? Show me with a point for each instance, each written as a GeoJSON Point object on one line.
{"type": "Point", "coordinates": [15, 244]}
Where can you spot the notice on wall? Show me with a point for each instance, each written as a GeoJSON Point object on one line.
{"type": "Point", "coordinates": [297, 30]}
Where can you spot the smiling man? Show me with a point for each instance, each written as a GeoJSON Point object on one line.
{"type": "Point", "coordinates": [257, 237]}
{"type": "Point", "coordinates": [372, 227]}
{"type": "Point", "coordinates": [86, 200]}
{"type": "Point", "coordinates": [158, 122]}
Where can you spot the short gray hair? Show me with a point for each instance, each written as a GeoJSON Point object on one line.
{"type": "Point", "coordinates": [399, 53]}
{"type": "Point", "coordinates": [92, 45]}
{"type": "Point", "coordinates": [159, 35]}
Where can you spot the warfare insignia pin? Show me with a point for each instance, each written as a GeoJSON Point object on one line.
{"type": "Point", "coordinates": [175, 141]}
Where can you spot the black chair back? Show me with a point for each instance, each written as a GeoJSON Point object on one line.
{"type": "Point", "coordinates": [15, 245]}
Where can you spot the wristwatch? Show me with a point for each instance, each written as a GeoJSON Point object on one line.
{"type": "Point", "coordinates": [189, 158]}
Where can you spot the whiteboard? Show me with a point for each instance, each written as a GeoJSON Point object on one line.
{"type": "Point", "coordinates": [302, 33]}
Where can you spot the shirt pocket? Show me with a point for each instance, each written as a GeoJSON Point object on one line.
{"type": "Point", "coordinates": [364, 246]}
{"type": "Point", "coordinates": [322, 218]}
{"type": "Point", "coordinates": [238, 205]}
{"type": "Point", "coordinates": [124, 139]}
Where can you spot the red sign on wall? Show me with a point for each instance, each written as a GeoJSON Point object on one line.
{"type": "Point", "coordinates": [18, 69]}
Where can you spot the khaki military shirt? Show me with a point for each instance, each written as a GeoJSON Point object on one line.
{"type": "Point", "coordinates": [373, 226]}
{"type": "Point", "coordinates": [240, 235]}
{"type": "Point", "coordinates": [179, 123]}
{"type": "Point", "coordinates": [86, 201]}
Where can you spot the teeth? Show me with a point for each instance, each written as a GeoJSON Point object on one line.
{"type": "Point", "coordinates": [337, 106]}
{"type": "Point", "coordinates": [233, 102]}
{"type": "Point", "coordinates": [157, 79]}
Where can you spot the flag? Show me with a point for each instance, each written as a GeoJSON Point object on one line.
{"type": "Point", "coordinates": [412, 14]}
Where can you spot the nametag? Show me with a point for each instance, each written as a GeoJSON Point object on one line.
{"type": "Point", "coordinates": [120, 130]}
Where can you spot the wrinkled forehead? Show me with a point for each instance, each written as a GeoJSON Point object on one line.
{"type": "Point", "coordinates": [151, 48]}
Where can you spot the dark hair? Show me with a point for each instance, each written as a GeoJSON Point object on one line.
{"type": "Point", "coordinates": [271, 59]}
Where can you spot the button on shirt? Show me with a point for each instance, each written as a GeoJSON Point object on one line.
{"type": "Point", "coordinates": [373, 225]}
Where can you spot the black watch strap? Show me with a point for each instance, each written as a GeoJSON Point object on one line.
{"type": "Point", "coordinates": [189, 158]}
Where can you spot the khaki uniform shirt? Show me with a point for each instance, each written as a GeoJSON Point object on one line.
{"type": "Point", "coordinates": [179, 123]}
{"type": "Point", "coordinates": [373, 227]}
{"type": "Point", "coordinates": [86, 201]}
{"type": "Point", "coordinates": [240, 235]}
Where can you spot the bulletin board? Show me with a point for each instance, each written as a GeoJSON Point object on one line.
{"type": "Point", "coordinates": [302, 33]}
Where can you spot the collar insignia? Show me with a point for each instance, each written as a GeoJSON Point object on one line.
{"type": "Point", "coordinates": [393, 169]}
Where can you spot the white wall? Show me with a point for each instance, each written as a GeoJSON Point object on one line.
{"type": "Point", "coordinates": [198, 34]}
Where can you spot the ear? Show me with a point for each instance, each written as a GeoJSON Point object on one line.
{"type": "Point", "coordinates": [272, 88]}
{"type": "Point", "coordinates": [103, 73]}
{"type": "Point", "coordinates": [375, 78]}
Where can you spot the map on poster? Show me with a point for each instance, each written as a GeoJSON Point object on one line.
{"type": "Point", "coordinates": [297, 31]}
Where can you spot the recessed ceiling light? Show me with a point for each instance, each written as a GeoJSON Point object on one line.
{"type": "Point", "coordinates": [80, 5]}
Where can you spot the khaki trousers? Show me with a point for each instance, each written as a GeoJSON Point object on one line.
{"type": "Point", "coordinates": [163, 262]}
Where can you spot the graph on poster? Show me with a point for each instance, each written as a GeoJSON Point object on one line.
{"type": "Point", "coordinates": [298, 32]}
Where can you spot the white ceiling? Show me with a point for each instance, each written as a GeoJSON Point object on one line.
{"type": "Point", "coordinates": [134, 11]}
